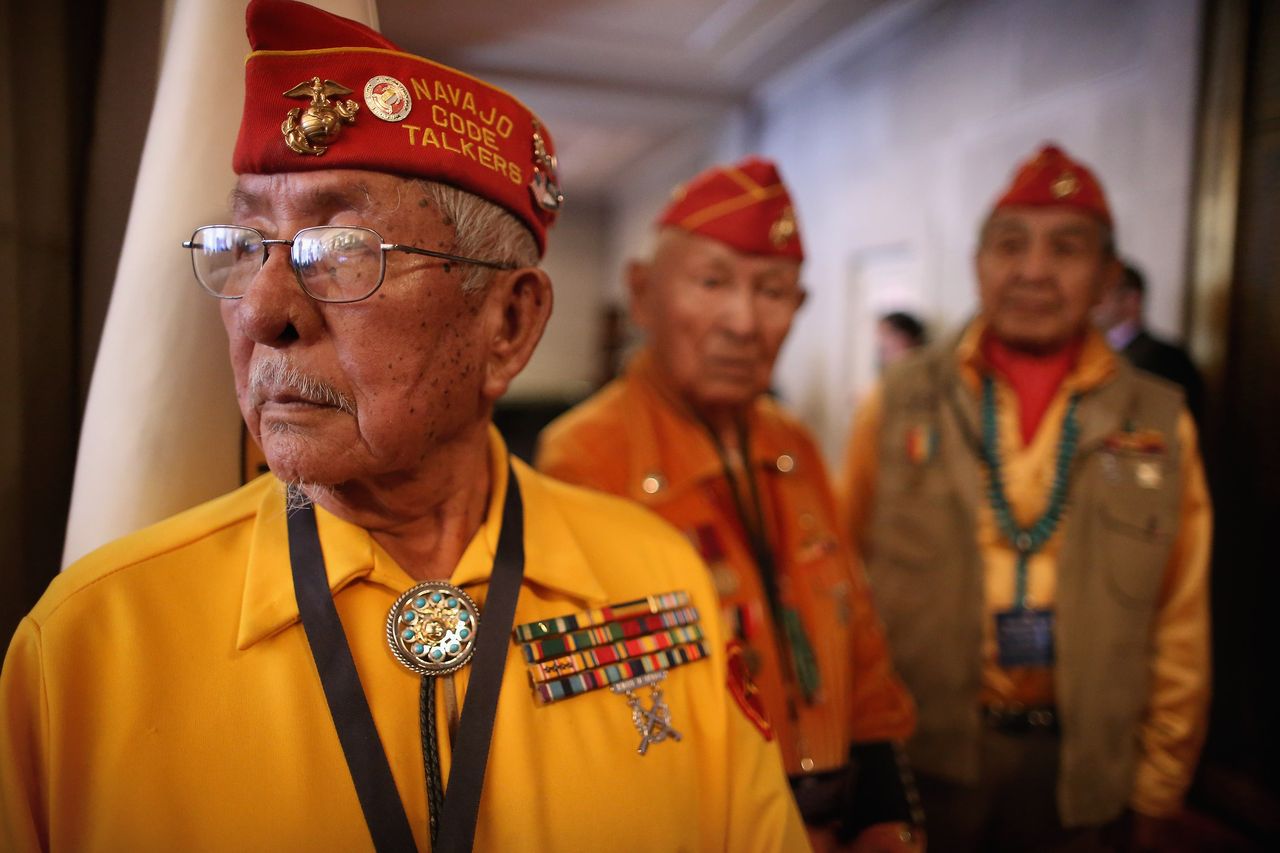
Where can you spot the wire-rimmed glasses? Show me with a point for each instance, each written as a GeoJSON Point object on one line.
{"type": "Point", "coordinates": [332, 263]}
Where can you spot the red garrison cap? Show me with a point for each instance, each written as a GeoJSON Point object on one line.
{"type": "Point", "coordinates": [324, 92]}
{"type": "Point", "coordinates": [1053, 178]}
{"type": "Point", "coordinates": [745, 206]}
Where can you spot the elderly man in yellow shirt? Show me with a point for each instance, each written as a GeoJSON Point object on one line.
{"type": "Point", "coordinates": [419, 643]}
{"type": "Point", "coordinates": [1036, 525]}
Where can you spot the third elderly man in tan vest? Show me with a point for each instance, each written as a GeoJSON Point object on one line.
{"type": "Point", "coordinates": [1035, 521]}
{"type": "Point", "coordinates": [689, 432]}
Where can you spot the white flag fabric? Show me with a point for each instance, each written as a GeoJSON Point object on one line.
{"type": "Point", "coordinates": [161, 429]}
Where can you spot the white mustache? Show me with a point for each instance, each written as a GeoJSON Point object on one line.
{"type": "Point", "coordinates": [267, 377]}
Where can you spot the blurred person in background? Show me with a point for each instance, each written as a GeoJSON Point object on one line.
{"type": "Point", "coordinates": [898, 334]}
{"type": "Point", "coordinates": [1035, 522]}
{"type": "Point", "coordinates": [690, 432]}
{"type": "Point", "coordinates": [1120, 316]}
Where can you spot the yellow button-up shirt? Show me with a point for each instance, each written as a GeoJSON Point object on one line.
{"type": "Point", "coordinates": [1177, 708]}
{"type": "Point", "coordinates": [162, 695]}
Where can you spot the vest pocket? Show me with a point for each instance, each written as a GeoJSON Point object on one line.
{"type": "Point", "coordinates": [1136, 535]}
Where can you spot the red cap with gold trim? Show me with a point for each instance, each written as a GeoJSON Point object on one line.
{"type": "Point", "coordinates": [325, 92]}
{"type": "Point", "coordinates": [1053, 178]}
{"type": "Point", "coordinates": [746, 206]}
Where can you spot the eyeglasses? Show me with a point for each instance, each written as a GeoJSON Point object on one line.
{"type": "Point", "coordinates": [333, 263]}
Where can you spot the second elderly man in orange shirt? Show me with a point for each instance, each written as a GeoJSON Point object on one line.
{"type": "Point", "coordinates": [690, 432]}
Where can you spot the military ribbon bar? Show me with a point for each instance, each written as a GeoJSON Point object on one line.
{"type": "Point", "coordinates": [593, 679]}
{"type": "Point", "coordinates": [613, 653]}
{"type": "Point", "coordinates": [613, 612]}
{"type": "Point", "coordinates": [610, 632]}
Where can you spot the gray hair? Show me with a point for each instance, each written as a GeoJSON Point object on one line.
{"type": "Point", "coordinates": [482, 230]}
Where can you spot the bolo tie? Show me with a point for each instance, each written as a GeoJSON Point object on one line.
{"type": "Point", "coordinates": [796, 652]}
{"type": "Point", "coordinates": [433, 630]}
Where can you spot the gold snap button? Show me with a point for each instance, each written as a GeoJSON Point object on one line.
{"type": "Point", "coordinates": [786, 463]}
{"type": "Point", "coordinates": [806, 764]}
{"type": "Point", "coordinates": [651, 484]}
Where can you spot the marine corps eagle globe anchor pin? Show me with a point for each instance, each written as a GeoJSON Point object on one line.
{"type": "Point", "coordinates": [313, 131]}
{"type": "Point", "coordinates": [432, 628]}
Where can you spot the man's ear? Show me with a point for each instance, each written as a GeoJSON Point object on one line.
{"type": "Point", "coordinates": [519, 305]}
{"type": "Point", "coordinates": [639, 278]}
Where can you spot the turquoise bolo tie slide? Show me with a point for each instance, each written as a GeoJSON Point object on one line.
{"type": "Point", "coordinates": [432, 628]}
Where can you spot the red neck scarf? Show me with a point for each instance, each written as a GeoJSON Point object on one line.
{"type": "Point", "coordinates": [1035, 378]}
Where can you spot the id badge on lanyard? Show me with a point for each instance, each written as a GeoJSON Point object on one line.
{"type": "Point", "coordinates": [1024, 637]}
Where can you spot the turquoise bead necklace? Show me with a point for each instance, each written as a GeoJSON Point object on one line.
{"type": "Point", "coordinates": [1026, 540]}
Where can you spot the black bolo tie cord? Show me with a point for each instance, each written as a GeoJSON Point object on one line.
{"type": "Point", "coordinates": [431, 755]}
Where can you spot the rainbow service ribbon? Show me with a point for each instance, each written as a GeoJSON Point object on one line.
{"type": "Point", "coordinates": [563, 624]}
{"type": "Point", "coordinates": [574, 654]}
{"type": "Point", "coordinates": [609, 632]}
{"type": "Point", "coordinates": [615, 652]}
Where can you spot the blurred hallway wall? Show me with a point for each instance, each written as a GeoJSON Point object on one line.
{"type": "Point", "coordinates": [896, 139]}
{"type": "Point", "coordinates": [564, 365]}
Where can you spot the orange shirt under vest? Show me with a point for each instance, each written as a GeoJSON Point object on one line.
{"type": "Point", "coordinates": [635, 439]}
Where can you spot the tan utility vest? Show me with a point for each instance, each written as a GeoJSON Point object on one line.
{"type": "Point", "coordinates": [927, 572]}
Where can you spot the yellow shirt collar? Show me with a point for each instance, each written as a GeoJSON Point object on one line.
{"type": "Point", "coordinates": [552, 556]}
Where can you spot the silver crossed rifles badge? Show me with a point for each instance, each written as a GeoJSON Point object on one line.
{"type": "Point", "coordinates": [654, 723]}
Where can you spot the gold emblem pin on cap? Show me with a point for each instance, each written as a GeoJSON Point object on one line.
{"type": "Point", "coordinates": [784, 229]}
{"type": "Point", "coordinates": [387, 98]}
{"type": "Point", "coordinates": [313, 131]}
{"type": "Point", "coordinates": [1065, 186]}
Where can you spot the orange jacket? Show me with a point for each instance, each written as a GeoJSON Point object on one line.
{"type": "Point", "coordinates": [634, 439]}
